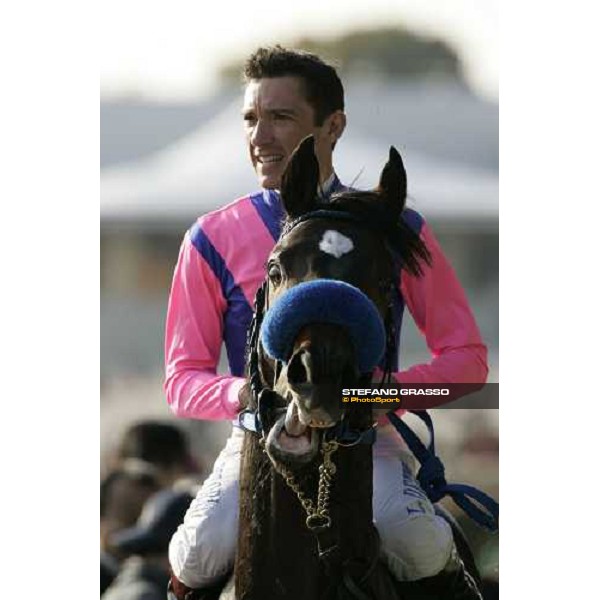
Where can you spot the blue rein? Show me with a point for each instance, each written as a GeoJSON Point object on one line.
{"type": "Point", "coordinates": [431, 476]}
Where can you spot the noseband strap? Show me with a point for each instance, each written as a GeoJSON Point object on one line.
{"type": "Point", "coordinates": [325, 301]}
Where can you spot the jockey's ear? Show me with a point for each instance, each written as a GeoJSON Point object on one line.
{"type": "Point", "coordinates": [392, 181]}
{"type": "Point", "coordinates": [300, 180]}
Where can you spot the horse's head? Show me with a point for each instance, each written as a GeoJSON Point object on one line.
{"type": "Point", "coordinates": [330, 281]}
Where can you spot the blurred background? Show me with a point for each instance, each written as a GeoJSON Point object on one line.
{"type": "Point", "coordinates": [419, 75]}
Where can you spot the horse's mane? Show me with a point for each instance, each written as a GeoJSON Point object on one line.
{"type": "Point", "coordinates": [374, 212]}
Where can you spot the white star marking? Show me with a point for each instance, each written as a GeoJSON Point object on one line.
{"type": "Point", "coordinates": [335, 243]}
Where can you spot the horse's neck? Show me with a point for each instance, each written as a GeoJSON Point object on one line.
{"type": "Point", "coordinates": [277, 554]}
{"type": "Point", "coordinates": [352, 500]}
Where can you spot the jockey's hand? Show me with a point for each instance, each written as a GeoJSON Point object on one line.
{"type": "Point", "coordinates": [244, 396]}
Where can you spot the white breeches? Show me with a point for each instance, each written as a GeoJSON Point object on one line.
{"type": "Point", "coordinates": [415, 542]}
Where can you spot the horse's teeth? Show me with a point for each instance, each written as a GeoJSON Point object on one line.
{"type": "Point", "coordinates": [293, 426]}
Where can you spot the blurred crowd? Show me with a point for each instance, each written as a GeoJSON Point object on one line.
{"type": "Point", "coordinates": [152, 475]}
{"type": "Point", "coordinates": [148, 485]}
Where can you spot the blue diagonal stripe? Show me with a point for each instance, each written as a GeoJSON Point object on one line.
{"type": "Point", "coordinates": [413, 219]}
{"type": "Point", "coordinates": [239, 312]}
{"type": "Point", "coordinates": [268, 206]}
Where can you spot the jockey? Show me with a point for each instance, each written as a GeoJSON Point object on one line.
{"type": "Point", "coordinates": [288, 96]}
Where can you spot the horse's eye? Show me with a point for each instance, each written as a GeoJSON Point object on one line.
{"type": "Point", "coordinates": [274, 274]}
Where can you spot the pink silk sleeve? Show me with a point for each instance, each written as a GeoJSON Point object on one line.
{"type": "Point", "coordinates": [194, 333]}
{"type": "Point", "coordinates": [441, 312]}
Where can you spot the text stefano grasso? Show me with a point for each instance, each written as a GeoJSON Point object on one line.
{"type": "Point", "coordinates": [408, 391]}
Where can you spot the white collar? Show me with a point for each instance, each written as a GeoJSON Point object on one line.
{"type": "Point", "coordinates": [326, 188]}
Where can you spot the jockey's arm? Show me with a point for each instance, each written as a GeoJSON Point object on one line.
{"type": "Point", "coordinates": [441, 311]}
{"type": "Point", "coordinates": [193, 338]}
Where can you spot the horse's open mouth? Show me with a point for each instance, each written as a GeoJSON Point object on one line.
{"type": "Point", "coordinates": [291, 441]}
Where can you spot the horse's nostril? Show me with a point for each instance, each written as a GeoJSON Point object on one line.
{"type": "Point", "coordinates": [297, 371]}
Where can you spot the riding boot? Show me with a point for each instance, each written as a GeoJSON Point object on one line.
{"type": "Point", "coordinates": [453, 582]}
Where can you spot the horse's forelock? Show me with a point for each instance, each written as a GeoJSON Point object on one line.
{"type": "Point", "coordinates": [369, 207]}
{"type": "Point", "coordinates": [364, 204]}
{"type": "Point", "coordinates": [373, 211]}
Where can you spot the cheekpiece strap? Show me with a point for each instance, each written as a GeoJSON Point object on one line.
{"type": "Point", "coordinates": [249, 419]}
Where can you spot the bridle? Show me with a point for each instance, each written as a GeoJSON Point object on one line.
{"type": "Point", "coordinates": [264, 397]}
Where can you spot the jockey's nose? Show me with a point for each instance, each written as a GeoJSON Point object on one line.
{"type": "Point", "coordinates": [262, 133]}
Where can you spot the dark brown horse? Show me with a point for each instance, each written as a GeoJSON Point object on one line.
{"type": "Point", "coordinates": [306, 523]}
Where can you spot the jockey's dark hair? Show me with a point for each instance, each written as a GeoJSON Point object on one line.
{"type": "Point", "coordinates": [323, 88]}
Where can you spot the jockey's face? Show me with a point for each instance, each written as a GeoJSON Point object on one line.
{"type": "Point", "coordinates": [277, 117]}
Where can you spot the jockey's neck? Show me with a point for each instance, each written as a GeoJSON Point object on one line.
{"type": "Point", "coordinates": [325, 183]}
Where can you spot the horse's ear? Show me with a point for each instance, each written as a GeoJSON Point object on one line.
{"type": "Point", "coordinates": [392, 181]}
{"type": "Point", "coordinates": [300, 179]}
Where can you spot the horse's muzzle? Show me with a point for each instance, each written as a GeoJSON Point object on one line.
{"type": "Point", "coordinates": [325, 301]}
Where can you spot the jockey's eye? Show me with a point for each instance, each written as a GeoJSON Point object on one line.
{"type": "Point", "coordinates": [249, 119]}
{"type": "Point", "coordinates": [274, 272]}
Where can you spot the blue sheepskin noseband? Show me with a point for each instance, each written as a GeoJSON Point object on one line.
{"type": "Point", "coordinates": [325, 301]}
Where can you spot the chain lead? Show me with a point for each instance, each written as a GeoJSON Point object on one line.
{"type": "Point", "coordinates": [317, 518]}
